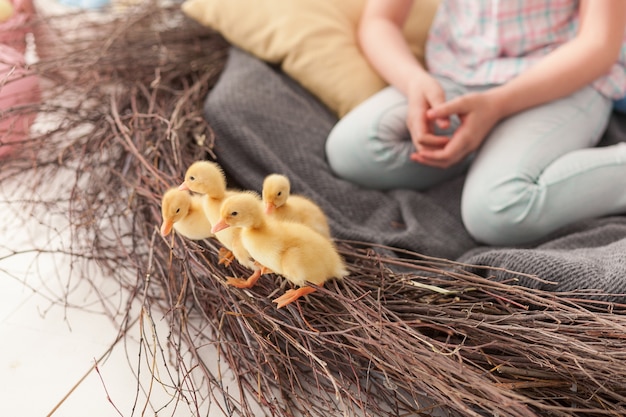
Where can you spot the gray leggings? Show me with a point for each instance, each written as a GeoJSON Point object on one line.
{"type": "Point", "coordinates": [537, 171]}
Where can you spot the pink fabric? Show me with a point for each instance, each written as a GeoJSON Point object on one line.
{"type": "Point", "coordinates": [482, 42]}
{"type": "Point", "coordinates": [13, 31]}
{"type": "Point", "coordinates": [17, 87]}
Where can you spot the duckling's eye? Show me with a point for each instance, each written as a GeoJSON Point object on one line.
{"type": "Point", "coordinates": [192, 178]}
{"type": "Point", "coordinates": [178, 210]}
{"type": "Point", "coordinates": [279, 193]}
{"type": "Point", "coordinates": [234, 214]}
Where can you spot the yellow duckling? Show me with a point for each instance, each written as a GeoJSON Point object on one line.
{"type": "Point", "coordinates": [183, 211]}
{"type": "Point", "coordinates": [208, 178]}
{"type": "Point", "coordinates": [290, 249]}
{"type": "Point", "coordinates": [291, 207]}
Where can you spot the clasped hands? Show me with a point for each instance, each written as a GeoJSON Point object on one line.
{"type": "Point", "coordinates": [478, 113]}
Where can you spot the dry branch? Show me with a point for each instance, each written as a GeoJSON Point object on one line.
{"type": "Point", "coordinates": [407, 335]}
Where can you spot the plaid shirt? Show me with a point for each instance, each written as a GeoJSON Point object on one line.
{"type": "Point", "coordinates": [482, 42]}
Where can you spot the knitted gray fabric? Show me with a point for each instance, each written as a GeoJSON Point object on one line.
{"type": "Point", "coordinates": [591, 258]}
{"type": "Point", "coordinates": [265, 122]}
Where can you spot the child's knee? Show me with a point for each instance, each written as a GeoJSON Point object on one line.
{"type": "Point", "coordinates": [485, 225]}
{"type": "Point", "coordinates": [501, 215]}
{"type": "Point", "coordinates": [339, 154]}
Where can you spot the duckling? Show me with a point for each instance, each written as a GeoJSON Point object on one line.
{"type": "Point", "coordinates": [208, 178]}
{"type": "Point", "coordinates": [285, 206]}
{"type": "Point", "coordinates": [183, 211]}
{"type": "Point", "coordinates": [290, 249]}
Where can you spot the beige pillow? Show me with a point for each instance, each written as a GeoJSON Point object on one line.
{"type": "Point", "coordinates": [314, 41]}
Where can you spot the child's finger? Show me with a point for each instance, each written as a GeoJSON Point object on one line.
{"type": "Point", "coordinates": [447, 109]}
{"type": "Point", "coordinates": [443, 123]}
{"type": "Point", "coordinates": [433, 141]}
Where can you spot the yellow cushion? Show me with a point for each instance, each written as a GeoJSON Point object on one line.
{"type": "Point", "coordinates": [314, 41]}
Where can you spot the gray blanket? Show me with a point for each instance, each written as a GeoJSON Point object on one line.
{"type": "Point", "coordinates": [265, 122]}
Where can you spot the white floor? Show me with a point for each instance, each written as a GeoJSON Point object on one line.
{"type": "Point", "coordinates": [55, 326]}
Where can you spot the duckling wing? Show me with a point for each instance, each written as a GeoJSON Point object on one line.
{"type": "Point", "coordinates": [304, 210]}
{"type": "Point", "coordinates": [311, 258]}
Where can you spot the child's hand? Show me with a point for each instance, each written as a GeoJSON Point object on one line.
{"type": "Point", "coordinates": [425, 93]}
{"type": "Point", "coordinates": [478, 114]}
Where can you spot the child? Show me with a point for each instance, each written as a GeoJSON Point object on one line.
{"type": "Point", "coordinates": [517, 94]}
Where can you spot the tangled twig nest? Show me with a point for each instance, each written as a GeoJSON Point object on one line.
{"type": "Point", "coordinates": [405, 335]}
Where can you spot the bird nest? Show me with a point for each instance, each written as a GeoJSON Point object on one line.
{"type": "Point", "coordinates": [402, 335]}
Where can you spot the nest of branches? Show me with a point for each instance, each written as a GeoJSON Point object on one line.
{"type": "Point", "coordinates": [407, 335]}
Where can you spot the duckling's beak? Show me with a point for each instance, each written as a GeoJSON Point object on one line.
{"type": "Point", "coordinates": [166, 227]}
{"type": "Point", "coordinates": [183, 186]}
{"type": "Point", "coordinates": [221, 225]}
{"type": "Point", "coordinates": [269, 208]}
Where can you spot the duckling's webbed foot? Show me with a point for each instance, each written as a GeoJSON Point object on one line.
{"type": "Point", "coordinates": [245, 283]}
{"type": "Point", "coordinates": [264, 270]}
{"type": "Point", "coordinates": [292, 295]}
{"type": "Point", "coordinates": [226, 257]}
